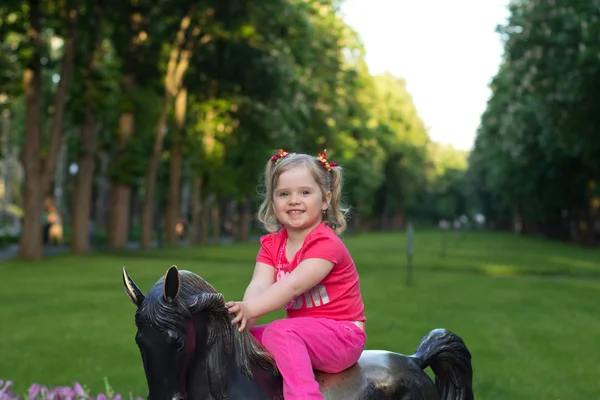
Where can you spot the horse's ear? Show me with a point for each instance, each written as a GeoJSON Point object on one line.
{"type": "Point", "coordinates": [135, 294]}
{"type": "Point", "coordinates": [171, 285]}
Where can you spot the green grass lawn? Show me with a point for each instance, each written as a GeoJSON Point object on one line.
{"type": "Point", "coordinates": [527, 309]}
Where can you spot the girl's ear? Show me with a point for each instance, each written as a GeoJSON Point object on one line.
{"type": "Point", "coordinates": [328, 199]}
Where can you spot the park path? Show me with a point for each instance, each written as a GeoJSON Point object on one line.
{"type": "Point", "coordinates": [12, 251]}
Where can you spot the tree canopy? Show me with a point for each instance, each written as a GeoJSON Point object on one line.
{"type": "Point", "coordinates": [535, 160]}
{"type": "Point", "coordinates": [135, 118]}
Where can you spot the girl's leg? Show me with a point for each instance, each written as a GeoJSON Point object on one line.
{"type": "Point", "coordinates": [300, 345]}
{"type": "Point", "coordinates": [258, 331]}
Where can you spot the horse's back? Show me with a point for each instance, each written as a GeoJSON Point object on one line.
{"type": "Point", "coordinates": [381, 375]}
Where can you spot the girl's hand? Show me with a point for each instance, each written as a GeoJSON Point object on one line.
{"type": "Point", "coordinates": [242, 313]}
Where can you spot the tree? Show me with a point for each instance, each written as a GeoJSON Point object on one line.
{"type": "Point", "coordinates": [40, 165]}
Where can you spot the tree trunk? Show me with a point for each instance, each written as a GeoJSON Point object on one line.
{"type": "Point", "coordinates": [82, 193]}
{"type": "Point", "coordinates": [38, 172]}
{"type": "Point", "coordinates": [245, 220]}
{"type": "Point", "coordinates": [120, 194]}
{"type": "Point", "coordinates": [216, 219]}
{"type": "Point", "coordinates": [196, 206]}
{"type": "Point", "coordinates": [31, 236]}
{"type": "Point", "coordinates": [186, 185]}
{"type": "Point", "coordinates": [118, 222]}
{"type": "Point", "coordinates": [175, 165]}
{"type": "Point", "coordinates": [586, 234]}
{"type": "Point", "coordinates": [230, 218]}
{"type": "Point", "coordinates": [59, 181]}
{"type": "Point", "coordinates": [176, 68]}
{"type": "Point", "coordinates": [60, 98]}
{"type": "Point", "coordinates": [151, 175]}
{"type": "Point", "coordinates": [8, 161]}
{"type": "Point", "coordinates": [102, 194]}
{"type": "Point", "coordinates": [205, 220]}
{"type": "Point", "coordinates": [234, 219]}
{"type": "Point", "coordinates": [356, 218]}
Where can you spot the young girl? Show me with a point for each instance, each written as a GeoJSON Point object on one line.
{"type": "Point", "coordinates": [304, 266]}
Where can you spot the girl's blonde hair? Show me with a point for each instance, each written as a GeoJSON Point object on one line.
{"type": "Point", "coordinates": [328, 181]}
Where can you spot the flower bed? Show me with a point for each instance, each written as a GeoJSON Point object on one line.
{"type": "Point", "coordinates": [76, 392]}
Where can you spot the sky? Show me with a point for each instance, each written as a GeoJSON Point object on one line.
{"type": "Point", "coordinates": [447, 51]}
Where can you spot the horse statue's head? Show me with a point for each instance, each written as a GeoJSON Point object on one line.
{"type": "Point", "coordinates": [186, 339]}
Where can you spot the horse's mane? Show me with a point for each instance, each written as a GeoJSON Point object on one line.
{"type": "Point", "coordinates": [196, 295]}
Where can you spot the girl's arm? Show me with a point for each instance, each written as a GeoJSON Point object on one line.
{"type": "Point", "coordinates": [262, 278]}
{"type": "Point", "coordinates": [306, 276]}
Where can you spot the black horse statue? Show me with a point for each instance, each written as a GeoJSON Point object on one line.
{"type": "Point", "coordinates": [191, 351]}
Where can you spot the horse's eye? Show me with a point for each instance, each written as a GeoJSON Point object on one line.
{"type": "Point", "coordinates": [172, 334]}
{"type": "Point", "coordinates": [176, 337]}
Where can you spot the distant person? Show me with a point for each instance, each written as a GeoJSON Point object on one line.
{"type": "Point", "coordinates": [443, 224]}
{"type": "Point", "coordinates": [45, 226]}
{"type": "Point", "coordinates": [55, 232]}
{"type": "Point", "coordinates": [304, 267]}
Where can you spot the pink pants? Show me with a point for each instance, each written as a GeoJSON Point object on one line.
{"type": "Point", "coordinates": [302, 344]}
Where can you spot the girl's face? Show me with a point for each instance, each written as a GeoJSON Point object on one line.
{"type": "Point", "coordinates": [298, 200]}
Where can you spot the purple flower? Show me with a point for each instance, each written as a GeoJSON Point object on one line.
{"type": "Point", "coordinates": [34, 389]}
{"type": "Point", "coordinates": [37, 391]}
{"type": "Point", "coordinates": [6, 394]}
{"type": "Point", "coordinates": [4, 390]}
{"type": "Point", "coordinates": [79, 391]}
{"type": "Point", "coordinates": [44, 392]}
{"type": "Point", "coordinates": [63, 393]}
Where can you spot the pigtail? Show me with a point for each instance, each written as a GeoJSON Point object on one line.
{"type": "Point", "coordinates": [335, 217]}
{"type": "Point", "coordinates": [266, 213]}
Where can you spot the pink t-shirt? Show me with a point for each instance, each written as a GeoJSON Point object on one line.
{"type": "Point", "coordinates": [338, 295]}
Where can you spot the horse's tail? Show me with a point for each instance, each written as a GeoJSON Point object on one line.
{"type": "Point", "coordinates": [450, 360]}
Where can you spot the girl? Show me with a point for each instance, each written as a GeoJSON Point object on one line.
{"type": "Point", "coordinates": [303, 266]}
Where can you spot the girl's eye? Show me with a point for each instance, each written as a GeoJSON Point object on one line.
{"type": "Point", "coordinates": [282, 194]}
{"type": "Point", "coordinates": [305, 192]}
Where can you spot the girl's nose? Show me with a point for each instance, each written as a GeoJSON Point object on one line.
{"type": "Point", "coordinates": [294, 199]}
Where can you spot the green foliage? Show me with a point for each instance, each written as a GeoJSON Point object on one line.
{"type": "Point", "coordinates": [447, 182]}
{"type": "Point", "coordinates": [13, 50]}
{"type": "Point", "coordinates": [261, 76]}
{"type": "Point", "coordinates": [130, 161]}
{"type": "Point", "coordinates": [537, 148]}
{"type": "Point", "coordinates": [402, 138]}
{"type": "Point", "coordinates": [260, 88]}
